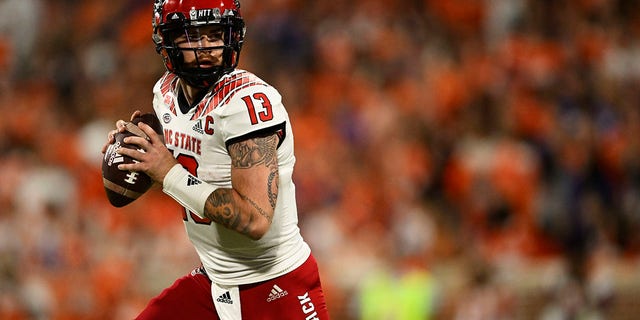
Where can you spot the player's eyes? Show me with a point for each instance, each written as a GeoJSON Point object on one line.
{"type": "Point", "coordinates": [213, 35]}
{"type": "Point", "coordinates": [193, 35]}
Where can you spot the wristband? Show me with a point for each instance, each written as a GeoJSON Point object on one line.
{"type": "Point", "coordinates": [191, 192]}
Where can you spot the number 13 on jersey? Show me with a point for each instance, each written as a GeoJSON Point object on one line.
{"type": "Point", "coordinates": [262, 112]}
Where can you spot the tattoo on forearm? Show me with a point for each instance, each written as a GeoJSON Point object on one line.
{"type": "Point", "coordinates": [221, 206]}
{"type": "Point", "coordinates": [222, 209]}
{"type": "Point", "coordinates": [272, 187]}
{"type": "Point", "coordinates": [257, 207]}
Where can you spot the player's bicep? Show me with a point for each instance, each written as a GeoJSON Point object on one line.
{"type": "Point", "coordinates": [254, 171]}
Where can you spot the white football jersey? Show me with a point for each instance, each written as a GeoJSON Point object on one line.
{"type": "Point", "coordinates": [240, 104]}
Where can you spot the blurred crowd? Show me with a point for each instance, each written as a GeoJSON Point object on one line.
{"type": "Point", "coordinates": [460, 159]}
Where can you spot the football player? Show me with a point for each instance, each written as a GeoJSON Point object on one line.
{"type": "Point", "coordinates": [227, 158]}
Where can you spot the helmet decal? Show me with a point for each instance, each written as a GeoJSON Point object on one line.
{"type": "Point", "coordinates": [213, 13]}
{"type": "Point", "coordinates": [157, 12]}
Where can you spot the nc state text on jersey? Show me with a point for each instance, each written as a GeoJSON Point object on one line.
{"type": "Point", "coordinates": [183, 141]}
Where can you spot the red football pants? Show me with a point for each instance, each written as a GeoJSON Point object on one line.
{"type": "Point", "coordinates": [296, 295]}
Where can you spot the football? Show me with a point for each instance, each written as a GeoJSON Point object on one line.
{"type": "Point", "coordinates": [123, 187]}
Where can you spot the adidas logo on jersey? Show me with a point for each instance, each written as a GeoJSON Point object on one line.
{"type": "Point", "coordinates": [225, 298]}
{"type": "Point", "coordinates": [198, 127]}
{"type": "Point", "coordinates": [192, 181]}
{"type": "Point", "coordinates": [276, 293]}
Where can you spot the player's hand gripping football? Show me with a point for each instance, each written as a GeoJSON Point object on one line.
{"type": "Point", "coordinates": [120, 127]}
{"type": "Point", "coordinates": [155, 159]}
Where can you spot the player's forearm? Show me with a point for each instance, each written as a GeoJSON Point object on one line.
{"type": "Point", "coordinates": [249, 205]}
{"type": "Point", "coordinates": [237, 212]}
{"type": "Point", "coordinates": [250, 216]}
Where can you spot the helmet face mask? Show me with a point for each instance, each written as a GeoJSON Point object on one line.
{"type": "Point", "coordinates": [211, 32]}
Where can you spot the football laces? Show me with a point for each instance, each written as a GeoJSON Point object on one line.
{"type": "Point", "coordinates": [131, 127]}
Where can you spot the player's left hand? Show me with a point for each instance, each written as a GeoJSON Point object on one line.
{"type": "Point", "coordinates": [120, 127]}
{"type": "Point", "coordinates": [153, 157]}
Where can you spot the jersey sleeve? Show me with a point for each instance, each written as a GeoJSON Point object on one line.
{"type": "Point", "coordinates": [252, 111]}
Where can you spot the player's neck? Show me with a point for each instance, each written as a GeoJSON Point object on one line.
{"type": "Point", "coordinates": [190, 93]}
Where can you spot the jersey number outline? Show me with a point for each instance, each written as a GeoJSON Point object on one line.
{"type": "Point", "coordinates": [191, 164]}
{"type": "Point", "coordinates": [263, 115]}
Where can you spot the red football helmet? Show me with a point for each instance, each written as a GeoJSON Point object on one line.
{"type": "Point", "coordinates": [173, 18]}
